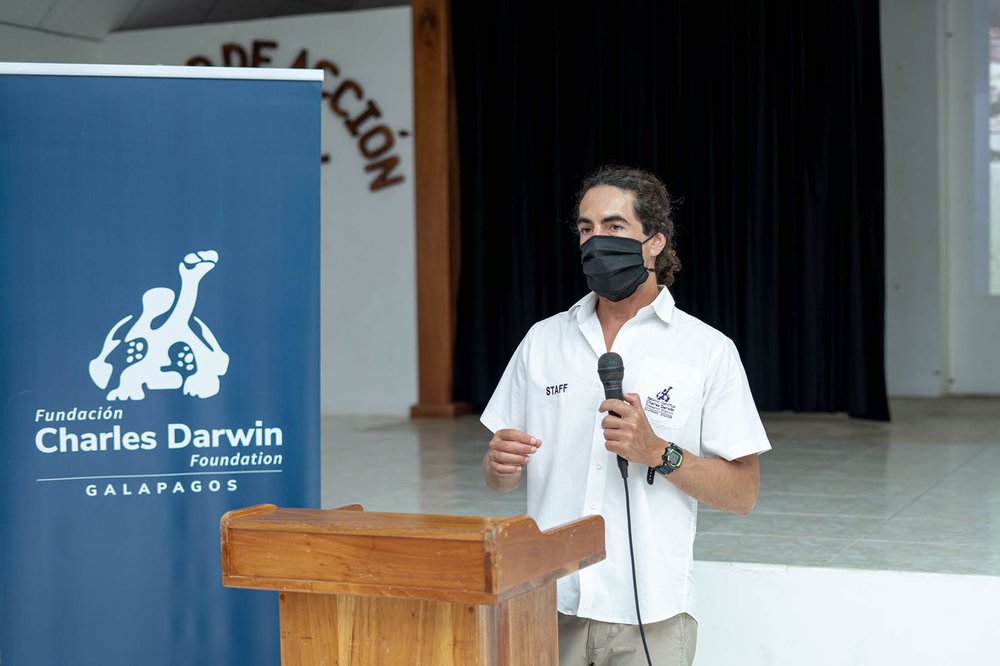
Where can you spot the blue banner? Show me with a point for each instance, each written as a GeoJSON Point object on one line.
{"type": "Point", "coordinates": [159, 344]}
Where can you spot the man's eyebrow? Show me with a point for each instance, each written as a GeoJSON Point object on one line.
{"type": "Point", "coordinates": [609, 218]}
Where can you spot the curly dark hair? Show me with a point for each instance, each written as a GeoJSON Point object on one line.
{"type": "Point", "coordinates": [651, 203]}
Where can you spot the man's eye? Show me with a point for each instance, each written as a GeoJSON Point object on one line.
{"type": "Point", "coordinates": [583, 231]}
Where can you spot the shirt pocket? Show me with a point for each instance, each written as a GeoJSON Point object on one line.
{"type": "Point", "coordinates": [670, 392]}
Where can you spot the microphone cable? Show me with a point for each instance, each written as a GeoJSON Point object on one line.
{"type": "Point", "coordinates": [611, 370]}
{"type": "Point", "coordinates": [631, 553]}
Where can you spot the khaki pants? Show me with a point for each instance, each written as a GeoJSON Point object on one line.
{"type": "Point", "coordinates": [584, 642]}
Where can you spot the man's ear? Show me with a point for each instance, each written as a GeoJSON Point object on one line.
{"type": "Point", "coordinates": [658, 244]}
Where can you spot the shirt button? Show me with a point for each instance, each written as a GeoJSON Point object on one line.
{"type": "Point", "coordinates": [599, 466]}
{"type": "Point", "coordinates": [593, 507]}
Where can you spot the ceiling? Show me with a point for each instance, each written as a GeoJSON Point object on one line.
{"type": "Point", "coordinates": [94, 19]}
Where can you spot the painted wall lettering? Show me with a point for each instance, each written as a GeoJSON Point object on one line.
{"type": "Point", "coordinates": [344, 97]}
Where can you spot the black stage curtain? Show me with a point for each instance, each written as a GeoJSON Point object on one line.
{"type": "Point", "coordinates": [763, 118]}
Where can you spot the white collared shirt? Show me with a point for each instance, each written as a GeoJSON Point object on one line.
{"type": "Point", "coordinates": [695, 392]}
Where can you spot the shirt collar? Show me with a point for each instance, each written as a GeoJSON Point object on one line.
{"type": "Point", "coordinates": [584, 308]}
{"type": "Point", "coordinates": [663, 306]}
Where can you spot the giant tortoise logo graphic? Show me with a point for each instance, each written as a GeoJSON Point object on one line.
{"type": "Point", "coordinates": [167, 346]}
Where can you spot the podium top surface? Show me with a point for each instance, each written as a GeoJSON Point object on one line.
{"type": "Point", "coordinates": [452, 558]}
{"type": "Point", "coordinates": [355, 520]}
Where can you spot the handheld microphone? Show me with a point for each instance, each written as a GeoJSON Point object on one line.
{"type": "Point", "coordinates": [611, 370]}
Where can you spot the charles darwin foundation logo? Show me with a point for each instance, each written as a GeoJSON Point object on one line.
{"type": "Point", "coordinates": [166, 347]}
{"type": "Point", "coordinates": [661, 404]}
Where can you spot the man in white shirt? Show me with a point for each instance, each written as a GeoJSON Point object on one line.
{"type": "Point", "coordinates": [687, 424]}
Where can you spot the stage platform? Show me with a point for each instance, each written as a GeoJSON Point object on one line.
{"type": "Point", "coordinates": [871, 543]}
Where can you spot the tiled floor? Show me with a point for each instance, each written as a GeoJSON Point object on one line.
{"type": "Point", "coordinates": [919, 494]}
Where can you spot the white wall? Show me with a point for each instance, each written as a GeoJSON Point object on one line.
{"type": "Point", "coordinates": [771, 615]}
{"type": "Point", "coordinates": [25, 45]}
{"type": "Point", "coordinates": [916, 320]}
{"type": "Point", "coordinates": [941, 325]}
{"type": "Point", "coordinates": [368, 296]}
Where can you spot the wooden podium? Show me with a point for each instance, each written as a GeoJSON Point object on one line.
{"type": "Point", "coordinates": [360, 588]}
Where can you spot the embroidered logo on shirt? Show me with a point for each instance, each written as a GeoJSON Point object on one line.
{"type": "Point", "coordinates": [661, 405]}
{"type": "Point", "coordinates": [556, 390]}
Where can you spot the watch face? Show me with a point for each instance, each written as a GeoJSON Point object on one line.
{"type": "Point", "coordinates": [672, 458]}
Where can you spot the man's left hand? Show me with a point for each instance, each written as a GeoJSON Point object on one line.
{"type": "Point", "coordinates": [629, 434]}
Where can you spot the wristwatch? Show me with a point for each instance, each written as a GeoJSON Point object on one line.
{"type": "Point", "coordinates": [672, 458]}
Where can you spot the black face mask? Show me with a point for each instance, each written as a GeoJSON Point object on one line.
{"type": "Point", "coordinates": [613, 266]}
